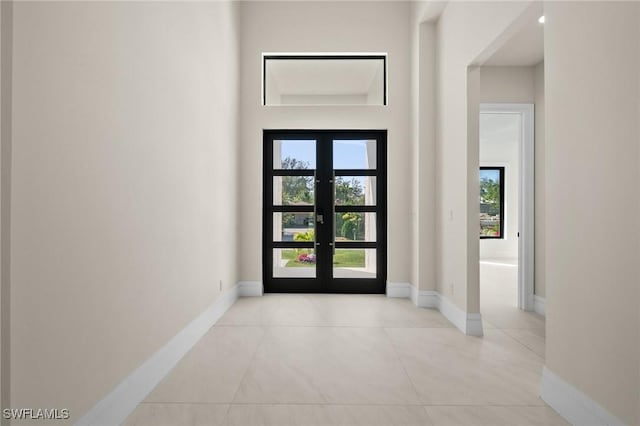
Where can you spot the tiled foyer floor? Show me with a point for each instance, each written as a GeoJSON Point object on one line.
{"type": "Point", "coordinates": [348, 360]}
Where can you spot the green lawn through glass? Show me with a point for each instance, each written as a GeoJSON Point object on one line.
{"type": "Point", "coordinates": [342, 259]}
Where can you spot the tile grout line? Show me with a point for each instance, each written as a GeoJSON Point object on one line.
{"type": "Point", "coordinates": [504, 330]}
{"type": "Point", "coordinates": [404, 368]}
{"type": "Point", "coordinates": [426, 410]}
{"type": "Point", "coordinates": [244, 374]}
{"type": "Point", "coordinates": [522, 344]}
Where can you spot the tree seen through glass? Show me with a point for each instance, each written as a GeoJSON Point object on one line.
{"type": "Point", "coordinates": [349, 226]}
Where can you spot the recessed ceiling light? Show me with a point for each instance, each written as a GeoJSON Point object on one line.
{"type": "Point", "coordinates": [541, 19]}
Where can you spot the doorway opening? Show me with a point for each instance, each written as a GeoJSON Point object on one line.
{"type": "Point", "coordinates": [506, 206]}
{"type": "Point", "coordinates": [324, 211]}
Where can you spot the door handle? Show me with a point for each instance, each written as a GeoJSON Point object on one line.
{"type": "Point", "coordinates": [320, 219]}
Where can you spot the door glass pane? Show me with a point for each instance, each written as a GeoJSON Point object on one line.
{"type": "Point", "coordinates": [293, 227]}
{"type": "Point", "coordinates": [354, 263]}
{"type": "Point", "coordinates": [293, 190]}
{"type": "Point", "coordinates": [294, 263]}
{"type": "Point", "coordinates": [354, 154]}
{"type": "Point", "coordinates": [353, 226]}
{"type": "Point", "coordinates": [355, 190]}
{"type": "Point", "coordinates": [294, 154]}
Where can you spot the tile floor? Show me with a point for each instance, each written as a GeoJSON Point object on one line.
{"type": "Point", "coordinates": [348, 360]}
{"type": "Point", "coordinates": [499, 305]}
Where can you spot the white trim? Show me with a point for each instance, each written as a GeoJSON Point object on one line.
{"type": "Point", "coordinates": [468, 323]}
{"type": "Point", "coordinates": [415, 296]}
{"type": "Point", "coordinates": [401, 290]}
{"type": "Point", "coordinates": [250, 289]}
{"type": "Point", "coordinates": [484, 262]}
{"type": "Point", "coordinates": [526, 216]}
{"type": "Point", "coordinates": [312, 54]}
{"type": "Point", "coordinates": [539, 305]}
{"type": "Point", "coordinates": [426, 299]}
{"type": "Point", "coordinates": [115, 407]}
{"type": "Point", "coordinates": [572, 404]}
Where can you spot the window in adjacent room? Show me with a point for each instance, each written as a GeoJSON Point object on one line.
{"type": "Point", "coordinates": [491, 202]}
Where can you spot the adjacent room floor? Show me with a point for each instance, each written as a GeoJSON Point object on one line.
{"type": "Point", "coordinates": [349, 360]}
{"type": "Point", "coordinates": [499, 305]}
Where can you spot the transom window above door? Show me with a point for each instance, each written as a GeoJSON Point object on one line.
{"type": "Point", "coordinates": [324, 79]}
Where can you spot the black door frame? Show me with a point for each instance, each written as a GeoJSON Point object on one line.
{"type": "Point", "coordinates": [324, 282]}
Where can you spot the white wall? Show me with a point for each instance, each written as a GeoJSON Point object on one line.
{"type": "Point", "coordinates": [500, 136]}
{"type": "Point", "coordinates": [325, 27]}
{"type": "Point", "coordinates": [464, 31]}
{"type": "Point", "coordinates": [592, 64]}
{"type": "Point", "coordinates": [123, 187]}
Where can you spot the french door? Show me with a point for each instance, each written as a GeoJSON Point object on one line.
{"type": "Point", "coordinates": [325, 215]}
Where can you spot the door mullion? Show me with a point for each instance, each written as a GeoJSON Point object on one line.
{"type": "Point", "coordinates": [323, 206]}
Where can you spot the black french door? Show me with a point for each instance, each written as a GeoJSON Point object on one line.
{"type": "Point", "coordinates": [325, 213]}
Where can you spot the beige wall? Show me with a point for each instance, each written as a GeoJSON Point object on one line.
{"type": "Point", "coordinates": [540, 181]}
{"type": "Point", "coordinates": [6, 30]}
{"type": "Point", "coordinates": [423, 131]}
{"type": "Point", "coordinates": [508, 84]}
{"type": "Point", "coordinates": [3, 337]}
{"type": "Point", "coordinates": [464, 30]}
{"type": "Point", "coordinates": [326, 27]}
{"type": "Point", "coordinates": [593, 210]}
{"type": "Point", "coordinates": [123, 187]}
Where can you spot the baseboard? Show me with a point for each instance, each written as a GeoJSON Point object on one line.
{"type": "Point", "coordinates": [539, 305]}
{"type": "Point", "coordinates": [114, 408]}
{"type": "Point", "coordinates": [576, 407]}
{"type": "Point", "coordinates": [400, 290]}
{"type": "Point", "coordinates": [420, 298]}
{"type": "Point", "coordinates": [468, 323]}
{"type": "Point", "coordinates": [426, 299]}
{"type": "Point", "coordinates": [250, 289]}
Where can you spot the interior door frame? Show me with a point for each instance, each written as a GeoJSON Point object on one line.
{"type": "Point", "coordinates": [324, 282]}
{"type": "Point", "coordinates": [526, 204]}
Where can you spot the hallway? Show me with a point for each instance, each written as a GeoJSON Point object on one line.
{"type": "Point", "coordinates": [348, 360]}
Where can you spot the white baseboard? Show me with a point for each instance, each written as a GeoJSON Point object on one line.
{"type": "Point", "coordinates": [539, 305]}
{"type": "Point", "coordinates": [426, 299]}
{"type": "Point", "coordinates": [576, 407]}
{"type": "Point", "coordinates": [114, 408]}
{"type": "Point", "coordinates": [420, 298]}
{"type": "Point", "coordinates": [468, 323]}
{"type": "Point", "coordinates": [250, 288]}
{"type": "Point", "coordinates": [401, 290]}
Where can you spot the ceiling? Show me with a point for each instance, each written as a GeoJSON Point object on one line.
{"type": "Point", "coordinates": [526, 48]}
